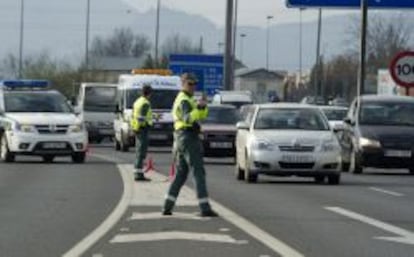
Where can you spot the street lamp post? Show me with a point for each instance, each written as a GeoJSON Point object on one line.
{"type": "Point", "coordinates": [242, 36]}
{"type": "Point", "coordinates": [268, 18]}
{"type": "Point", "coordinates": [21, 39]}
{"type": "Point", "coordinates": [88, 15]}
{"type": "Point", "coordinates": [157, 32]}
{"type": "Point", "coordinates": [300, 44]}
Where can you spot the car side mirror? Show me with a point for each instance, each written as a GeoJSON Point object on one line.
{"type": "Point", "coordinates": [349, 121]}
{"type": "Point", "coordinates": [77, 110]}
{"type": "Point", "coordinates": [73, 101]}
{"type": "Point", "coordinates": [338, 128]}
{"type": "Point", "coordinates": [242, 125]}
{"type": "Point", "coordinates": [117, 109]}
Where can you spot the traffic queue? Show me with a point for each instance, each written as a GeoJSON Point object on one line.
{"type": "Point", "coordinates": [276, 139]}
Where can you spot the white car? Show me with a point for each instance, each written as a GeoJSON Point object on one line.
{"type": "Point", "coordinates": [37, 121]}
{"type": "Point", "coordinates": [335, 115]}
{"type": "Point", "coordinates": [287, 140]}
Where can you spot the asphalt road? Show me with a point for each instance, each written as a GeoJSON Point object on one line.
{"type": "Point", "coordinates": [49, 208]}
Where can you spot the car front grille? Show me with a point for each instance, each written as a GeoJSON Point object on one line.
{"type": "Point", "coordinates": [300, 166]}
{"type": "Point", "coordinates": [220, 136]}
{"type": "Point", "coordinates": [52, 129]}
{"type": "Point", "coordinates": [397, 142]}
{"type": "Point", "coordinates": [302, 148]}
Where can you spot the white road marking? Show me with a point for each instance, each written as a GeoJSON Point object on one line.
{"type": "Point", "coordinates": [124, 229]}
{"type": "Point", "coordinates": [377, 189]}
{"type": "Point", "coordinates": [110, 221]}
{"type": "Point", "coordinates": [158, 215]}
{"type": "Point", "coordinates": [173, 235]}
{"type": "Point", "coordinates": [404, 236]}
{"type": "Point", "coordinates": [224, 230]}
{"type": "Point", "coordinates": [152, 194]}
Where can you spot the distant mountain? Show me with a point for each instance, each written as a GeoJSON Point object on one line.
{"type": "Point", "coordinates": [58, 26]}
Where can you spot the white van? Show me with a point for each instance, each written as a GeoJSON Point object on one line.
{"type": "Point", "coordinates": [165, 89]}
{"type": "Point", "coordinates": [235, 98]}
{"type": "Point", "coordinates": [97, 102]}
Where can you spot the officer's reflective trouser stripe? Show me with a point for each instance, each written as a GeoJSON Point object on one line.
{"type": "Point", "coordinates": [141, 147]}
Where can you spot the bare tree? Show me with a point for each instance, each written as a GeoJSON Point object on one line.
{"type": "Point", "coordinates": [386, 36]}
{"type": "Point", "coordinates": [178, 44]}
{"type": "Point", "coordinates": [122, 43]}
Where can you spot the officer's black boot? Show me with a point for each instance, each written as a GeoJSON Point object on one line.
{"type": "Point", "coordinates": [139, 176]}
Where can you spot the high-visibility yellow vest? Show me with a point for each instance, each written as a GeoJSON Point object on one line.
{"type": "Point", "coordinates": [180, 122]}
{"type": "Point", "coordinates": [138, 122]}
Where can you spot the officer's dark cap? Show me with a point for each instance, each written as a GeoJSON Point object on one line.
{"type": "Point", "coordinates": [146, 89]}
{"type": "Point", "coordinates": [191, 77]}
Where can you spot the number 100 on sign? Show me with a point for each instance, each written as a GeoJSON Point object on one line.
{"type": "Point", "coordinates": [402, 69]}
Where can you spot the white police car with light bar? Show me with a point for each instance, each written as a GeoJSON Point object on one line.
{"type": "Point", "coordinates": [35, 120]}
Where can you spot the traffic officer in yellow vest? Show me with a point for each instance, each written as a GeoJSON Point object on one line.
{"type": "Point", "coordinates": [140, 123]}
{"type": "Point", "coordinates": [188, 155]}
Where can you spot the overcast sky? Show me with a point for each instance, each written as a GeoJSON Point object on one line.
{"type": "Point", "coordinates": [251, 12]}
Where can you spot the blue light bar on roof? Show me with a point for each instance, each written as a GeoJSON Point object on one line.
{"type": "Point", "coordinates": [25, 83]}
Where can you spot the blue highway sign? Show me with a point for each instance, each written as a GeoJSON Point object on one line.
{"type": "Point", "coordinates": [209, 70]}
{"type": "Point", "coordinates": [382, 4]}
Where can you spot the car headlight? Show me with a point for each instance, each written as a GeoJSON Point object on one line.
{"type": "Point", "coordinates": [262, 145]}
{"type": "Point", "coordinates": [25, 128]}
{"type": "Point", "coordinates": [76, 128]}
{"type": "Point", "coordinates": [366, 142]}
{"type": "Point", "coordinates": [329, 146]}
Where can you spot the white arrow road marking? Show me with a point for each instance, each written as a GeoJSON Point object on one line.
{"type": "Point", "coordinates": [173, 235]}
{"type": "Point", "coordinates": [377, 189]}
{"type": "Point", "coordinates": [404, 236]}
{"type": "Point", "coordinates": [158, 215]}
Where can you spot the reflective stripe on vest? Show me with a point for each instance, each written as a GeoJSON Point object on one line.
{"type": "Point", "coordinates": [136, 124]}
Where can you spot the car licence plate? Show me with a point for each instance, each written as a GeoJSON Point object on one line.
{"type": "Point", "coordinates": [158, 137]}
{"type": "Point", "coordinates": [54, 145]}
{"type": "Point", "coordinates": [221, 145]}
{"type": "Point", "coordinates": [398, 153]}
{"type": "Point", "coordinates": [106, 131]}
{"type": "Point", "coordinates": [297, 158]}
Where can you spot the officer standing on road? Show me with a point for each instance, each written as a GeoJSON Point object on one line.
{"type": "Point", "coordinates": [187, 146]}
{"type": "Point", "coordinates": [141, 122]}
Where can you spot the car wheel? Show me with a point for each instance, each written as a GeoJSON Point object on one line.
{"type": "Point", "coordinates": [48, 158]}
{"type": "Point", "coordinates": [117, 145]}
{"type": "Point", "coordinates": [248, 175]}
{"type": "Point", "coordinates": [123, 144]}
{"type": "Point", "coordinates": [334, 179]}
{"type": "Point", "coordinates": [320, 179]}
{"type": "Point", "coordinates": [412, 171]}
{"type": "Point", "coordinates": [5, 154]}
{"type": "Point", "coordinates": [78, 157]}
{"type": "Point", "coordinates": [356, 165]}
{"type": "Point", "coordinates": [345, 166]}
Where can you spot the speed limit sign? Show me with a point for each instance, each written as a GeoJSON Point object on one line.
{"type": "Point", "coordinates": [402, 69]}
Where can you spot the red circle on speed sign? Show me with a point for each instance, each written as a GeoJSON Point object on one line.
{"type": "Point", "coordinates": [402, 69]}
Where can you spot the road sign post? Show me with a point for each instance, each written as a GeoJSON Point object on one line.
{"type": "Point", "coordinates": [402, 70]}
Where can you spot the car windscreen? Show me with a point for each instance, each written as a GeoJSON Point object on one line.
{"type": "Point", "coordinates": [100, 99]}
{"type": "Point", "coordinates": [36, 102]}
{"type": "Point", "coordinates": [333, 114]}
{"type": "Point", "coordinates": [387, 114]}
{"type": "Point", "coordinates": [291, 119]}
{"type": "Point", "coordinates": [226, 116]}
{"type": "Point", "coordinates": [160, 98]}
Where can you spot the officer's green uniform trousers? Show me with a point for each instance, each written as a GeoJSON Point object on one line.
{"type": "Point", "coordinates": [141, 147]}
{"type": "Point", "coordinates": [188, 158]}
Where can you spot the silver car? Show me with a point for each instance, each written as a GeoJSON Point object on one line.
{"type": "Point", "coordinates": [287, 140]}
